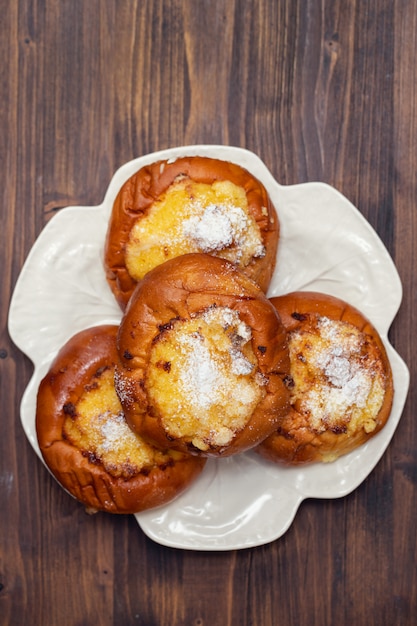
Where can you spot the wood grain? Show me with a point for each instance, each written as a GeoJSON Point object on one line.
{"type": "Point", "coordinates": [321, 91]}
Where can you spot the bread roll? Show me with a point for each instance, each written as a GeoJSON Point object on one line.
{"type": "Point", "coordinates": [86, 442]}
{"type": "Point", "coordinates": [341, 380]}
{"type": "Point", "coordinates": [191, 204]}
{"type": "Point", "coordinates": [203, 358]}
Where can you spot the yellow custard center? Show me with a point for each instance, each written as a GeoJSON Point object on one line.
{"type": "Point", "coordinates": [97, 426]}
{"type": "Point", "coordinates": [203, 378]}
{"type": "Point", "coordinates": [195, 217]}
{"type": "Point", "coordinates": [339, 382]}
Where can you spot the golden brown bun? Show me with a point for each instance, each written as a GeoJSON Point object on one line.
{"type": "Point", "coordinates": [175, 294]}
{"type": "Point", "coordinates": [143, 189]}
{"type": "Point", "coordinates": [301, 440]}
{"type": "Point", "coordinates": [118, 487]}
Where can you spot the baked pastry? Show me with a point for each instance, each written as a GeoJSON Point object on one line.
{"type": "Point", "coordinates": [191, 204]}
{"type": "Point", "coordinates": [203, 358]}
{"type": "Point", "coordinates": [341, 380]}
{"type": "Point", "coordinates": [86, 442]}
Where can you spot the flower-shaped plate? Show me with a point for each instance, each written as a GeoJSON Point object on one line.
{"type": "Point", "coordinates": [325, 245]}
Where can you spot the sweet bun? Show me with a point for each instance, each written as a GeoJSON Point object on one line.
{"type": "Point", "coordinates": [341, 387]}
{"type": "Point", "coordinates": [86, 442]}
{"type": "Point", "coordinates": [203, 358]}
{"type": "Point", "coordinates": [191, 204]}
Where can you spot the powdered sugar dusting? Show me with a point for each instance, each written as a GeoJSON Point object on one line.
{"type": "Point", "coordinates": [219, 226]}
{"type": "Point", "coordinates": [201, 378]}
{"type": "Point", "coordinates": [195, 217]}
{"type": "Point", "coordinates": [241, 335]}
{"type": "Point", "coordinates": [114, 432]}
{"type": "Point", "coordinates": [344, 379]}
{"type": "Point", "coordinates": [240, 364]}
{"type": "Point", "coordinates": [341, 363]}
{"type": "Point", "coordinates": [124, 388]}
{"type": "Point", "coordinates": [227, 318]}
{"type": "Point", "coordinates": [211, 387]}
{"type": "Point", "coordinates": [211, 229]}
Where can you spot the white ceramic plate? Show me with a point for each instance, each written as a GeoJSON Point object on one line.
{"type": "Point", "coordinates": [326, 245]}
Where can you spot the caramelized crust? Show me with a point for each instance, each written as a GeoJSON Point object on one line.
{"type": "Point", "coordinates": [86, 442]}
{"type": "Point", "coordinates": [192, 204]}
{"type": "Point", "coordinates": [203, 358]}
{"type": "Point", "coordinates": [341, 381]}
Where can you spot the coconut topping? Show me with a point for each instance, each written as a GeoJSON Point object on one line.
{"type": "Point", "coordinates": [113, 430]}
{"type": "Point", "coordinates": [195, 217]}
{"type": "Point", "coordinates": [201, 377]}
{"type": "Point", "coordinates": [337, 381]}
{"type": "Point", "coordinates": [212, 384]}
{"type": "Point", "coordinates": [98, 426]}
{"type": "Point", "coordinates": [219, 226]}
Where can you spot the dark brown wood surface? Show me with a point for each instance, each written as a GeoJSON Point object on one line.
{"type": "Point", "coordinates": [320, 91]}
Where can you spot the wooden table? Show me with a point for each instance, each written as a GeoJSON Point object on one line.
{"type": "Point", "coordinates": [321, 91]}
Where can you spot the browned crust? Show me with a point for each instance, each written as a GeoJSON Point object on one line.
{"type": "Point", "coordinates": [141, 190]}
{"type": "Point", "coordinates": [78, 360]}
{"type": "Point", "coordinates": [294, 442]}
{"type": "Point", "coordinates": [176, 289]}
